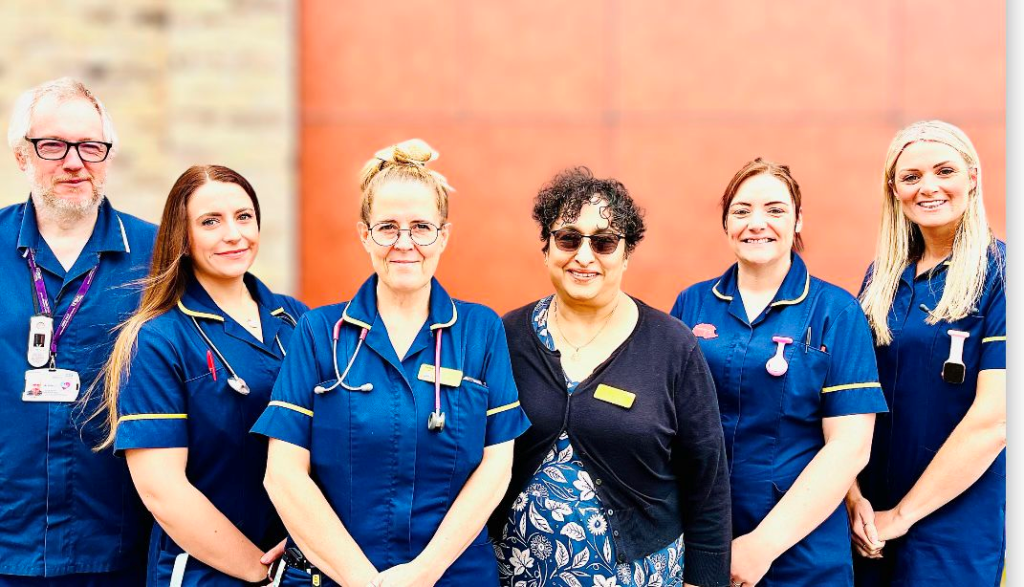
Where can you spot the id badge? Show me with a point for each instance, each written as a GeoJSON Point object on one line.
{"type": "Point", "coordinates": [51, 385]}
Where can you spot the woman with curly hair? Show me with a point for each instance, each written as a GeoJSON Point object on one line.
{"type": "Point", "coordinates": [797, 384]}
{"type": "Point", "coordinates": [622, 477]}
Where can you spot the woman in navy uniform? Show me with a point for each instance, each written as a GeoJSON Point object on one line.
{"type": "Point", "coordinates": [797, 384]}
{"type": "Point", "coordinates": [391, 422]}
{"type": "Point", "coordinates": [934, 491]}
{"type": "Point", "coordinates": [189, 375]}
{"type": "Point", "coordinates": [622, 478]}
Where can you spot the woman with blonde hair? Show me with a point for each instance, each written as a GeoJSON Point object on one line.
{"type": "Point", "coordinates": [391, 422]}
{"type": "Point", "coordinates": [189, 375]}
{"type": "Point", "coordinates": [930, 507]}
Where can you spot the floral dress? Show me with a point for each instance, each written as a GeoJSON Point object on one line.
{"type": "Point", "coordinates": [557, 535]}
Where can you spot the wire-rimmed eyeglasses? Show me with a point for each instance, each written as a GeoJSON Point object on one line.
{"type": "Point", "coordinates": [386, 234]}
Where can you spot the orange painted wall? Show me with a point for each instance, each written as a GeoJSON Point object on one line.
{"type": "Point", "coordinates": [669, 96]}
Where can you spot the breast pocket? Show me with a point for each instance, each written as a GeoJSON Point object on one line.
{"type": "Point", "coordinates": [943, 345]}
{"type": "Point", "coordinates": [472, 397]}
{"type": "Point", "coordinates": [214, 415]}
{"type": "Point", "coordinates": [808, 367]}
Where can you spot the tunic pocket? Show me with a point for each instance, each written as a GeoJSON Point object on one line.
{"type": "Point", "coordinates": [808, 367]}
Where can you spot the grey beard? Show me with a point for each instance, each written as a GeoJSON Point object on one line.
{"type": "Point", "coordinates": [64, 211]}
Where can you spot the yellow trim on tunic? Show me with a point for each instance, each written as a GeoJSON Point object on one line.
{"type": "Point", "coordinates": [850, 386]}
{"type": "Point", "coordinates": [504, 408]}
{"type": "Point", "coordinates": [721, 296]}
{"type": "Point", "coordinates": [195, 314]}
{"type": "Point", "coordinates": [807, 288]}
{"type": "Point", "coordinates": [292, 407]}
{"type": "Point", "coordinates": [347, 318]}
{"type": "Point", "coordinates": [455, 316]}
{"type": "Point", "coordinates": [993, 339]}
{"type": "Point", "coordinates": [132, 417]}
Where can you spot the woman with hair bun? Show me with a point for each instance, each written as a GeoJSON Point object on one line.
{"type": "Point", "coordinates": [189, 375]}
{"type": "Point", "coordinates": [391, 423]}
{"type": "Point", "coordinates": [797, 384]}
{"type": "Point", "coordinates": [930, 507]}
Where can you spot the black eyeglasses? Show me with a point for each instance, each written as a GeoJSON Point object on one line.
{"type": "Point", "coordinates": [570, 240]}
{"type": "Point", "coordinates": [386, 234]}
{"type": "Point", "coordinates": [57, 149]}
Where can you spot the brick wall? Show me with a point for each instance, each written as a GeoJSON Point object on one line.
{"type": "Point", "coordinates": [186, 82]}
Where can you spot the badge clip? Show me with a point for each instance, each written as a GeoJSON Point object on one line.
{"type": "Point", "coordinates": [40, 334]}
{"type": "Point", "coordinates": [953, 370]}
{"type": "Point", "coordinates": [777, 365]}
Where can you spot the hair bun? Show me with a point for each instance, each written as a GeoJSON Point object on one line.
{"type": "Point", "coordinates": [408, 152]}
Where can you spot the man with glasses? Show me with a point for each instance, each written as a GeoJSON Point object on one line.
{"type": "Point", "coordinates": [68, 516]}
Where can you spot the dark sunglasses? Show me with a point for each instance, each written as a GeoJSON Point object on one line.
{"type": "Point", "coordinates": [570, 240]}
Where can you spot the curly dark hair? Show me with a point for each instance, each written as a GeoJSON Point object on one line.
{"type": "Point", "coordinates": [564, 196]}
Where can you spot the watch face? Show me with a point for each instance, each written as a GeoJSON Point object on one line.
{"type": "Point", "coordinates": [953, 372]}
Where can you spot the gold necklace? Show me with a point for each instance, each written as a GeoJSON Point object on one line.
{"type": "Point", "coordinates": [576, 349]}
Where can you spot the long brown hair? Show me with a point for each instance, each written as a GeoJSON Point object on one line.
{"type": "Point", "coordinates": [169, 275]}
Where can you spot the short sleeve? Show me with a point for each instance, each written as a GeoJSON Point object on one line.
{"type": "Point", "coordinates": [152, 403]}
{"type": "Point", "coordinates": [506, 419]}
{"type": "Point", "coordinates": [851, 385]}
{"type": "Point", "coordinates": [289, 415]}
{"type": "Point", "coordinates": [993, 341]}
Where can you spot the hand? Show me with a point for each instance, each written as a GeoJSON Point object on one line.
{"type": "Point", "coordinates": [411, 574]}
{"type": "Point", "coordinates": [862, 525]}
{"type": "Point", "coordinates": [751, 560]}
{"type": "Point", "coordinates": [891, 524]}
{"type": "Point", "coordinates": [274, 553]}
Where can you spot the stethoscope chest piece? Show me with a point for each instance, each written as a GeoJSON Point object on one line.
{"type": "Point", "coordinates": [778, 365]}
{"type": "Point", "coordinates": [238, 384]}
{"type": "Point", "coordinates": [435, 422]}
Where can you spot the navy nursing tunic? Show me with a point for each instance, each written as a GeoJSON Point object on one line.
{"type": "Point", "coordinates": [963, 542]}
{"type": "Point", "coordinates": [389, 479]}
{"type": "Point", "coordinates": [68, 515]}
{"type": "Point", "coordinates": [172, 399]}
{"type": "Point", "coordinates": [773, 424]}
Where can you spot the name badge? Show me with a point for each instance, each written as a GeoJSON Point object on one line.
{"type": "Point", "coordinates": [449, 377]}
{"type": "Point", "coordinates": [615, 396]}
{"type": "Point", "coordinates": [51, 385]}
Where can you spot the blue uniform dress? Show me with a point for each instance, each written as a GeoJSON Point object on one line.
{"type": "Point", "coordinates": [389, 479]}
{"type": "Point", "coordinates": [171, 399]}
{"type": "Point", "coordinates": [65, 510]}
{"type": "Point", "coordinates": [963, 542]}
{"type": "Point", "coordinates": [556, 534]}
{"type": "Point", "coordinates": [773, 424]}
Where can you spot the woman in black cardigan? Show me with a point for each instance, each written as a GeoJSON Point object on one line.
{"type": "Point", "coordinates": [622, 478]}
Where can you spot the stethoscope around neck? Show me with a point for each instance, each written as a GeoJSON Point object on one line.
{"type": "Point", "coordinates": [234, 381]}
{"type": "Point", "coordinates": [435, 422]}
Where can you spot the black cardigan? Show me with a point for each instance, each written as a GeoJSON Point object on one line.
{"type": "Point", "coordinates": [659, 467]}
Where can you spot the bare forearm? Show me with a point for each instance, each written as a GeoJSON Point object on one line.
{"type": "Point", "coordinates": [317, 530]}
{"type": "Point", "coordinates": [963, 459]}
{"type": "Point", "coordinates": [815, 494]}
{"type": "Point", "coordinates": [199, 528]}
